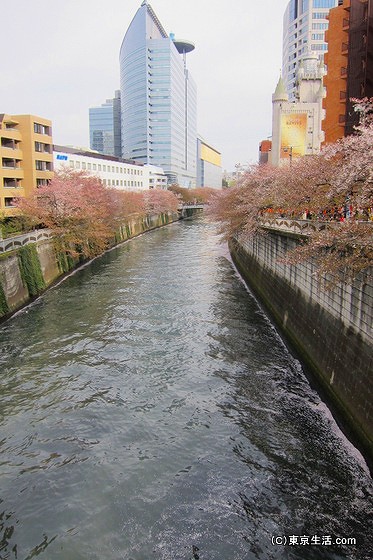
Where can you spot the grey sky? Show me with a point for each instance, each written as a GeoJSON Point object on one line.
{"type": "Point", "coordinates": [61, 57]}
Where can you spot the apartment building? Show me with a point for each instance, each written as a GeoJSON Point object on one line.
{"type": "Point", "coordinates": [26, 152]}
{"type": "Point", "coordinates": [350, 65]}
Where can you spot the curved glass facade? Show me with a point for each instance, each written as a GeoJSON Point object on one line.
{"type": "Point", "coordinates": [159, 121]}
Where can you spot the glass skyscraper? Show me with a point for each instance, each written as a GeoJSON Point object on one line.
{"type": "Point", "coordinates": [158, 96]}
{"type": "Point", "coordinates": [105, 127]}
{"type": "Point", "coordinates": [305, 23]}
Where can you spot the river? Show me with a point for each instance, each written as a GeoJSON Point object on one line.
{"type": "Point", "coordinates": [150, 410]}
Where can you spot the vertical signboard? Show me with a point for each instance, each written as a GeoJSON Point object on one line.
{"type": "Point", "coordinates": [293, 135]}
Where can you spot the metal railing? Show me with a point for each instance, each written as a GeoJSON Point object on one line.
{"type": "Point", "coordinates": [300, 227]}
{"type": "Point", "coordinates": [18, 241]}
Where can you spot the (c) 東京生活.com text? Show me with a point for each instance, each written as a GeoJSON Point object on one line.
{"type": "Point", "coordinates": [314, 540]}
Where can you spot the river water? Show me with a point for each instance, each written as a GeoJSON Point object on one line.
{"type": "Point", "coordinates": [149, 410]}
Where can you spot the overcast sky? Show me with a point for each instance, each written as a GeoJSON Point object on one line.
{"type": "Point", "coordinates": [61, 57]}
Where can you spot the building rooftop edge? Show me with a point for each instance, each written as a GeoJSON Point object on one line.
{"type": "Point", "coordinates": [97, 155]}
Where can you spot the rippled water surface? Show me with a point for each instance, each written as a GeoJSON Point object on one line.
{"type": "Point", "coordinates": [149, 410]}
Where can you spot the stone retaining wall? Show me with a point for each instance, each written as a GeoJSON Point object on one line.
{"type": "Point", "coordinates": [331, 330]}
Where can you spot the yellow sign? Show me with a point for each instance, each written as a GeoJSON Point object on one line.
{"type": "Point", "coordinates": [293, 135]}
{"type": "Point", "coordinates": [210, 155]}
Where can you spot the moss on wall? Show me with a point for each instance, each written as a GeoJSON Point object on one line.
{"type": "Point", "coordinates": [31, 273]}
{"type": "Point", "coordinates": [4, 308]}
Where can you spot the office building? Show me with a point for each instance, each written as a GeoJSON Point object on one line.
{"type": "Point", "coordinates": [305, 23]}
{"type": "Point", "coordinates": [209, 170]}
{"type": "Point", "coordinates": [350, 65]}
{"type": "Point", "coordinates": [158, 97]}
{"type": "Point", "coordinates": [26, 151]}
{"type": "Point", "coordinates": [114, 172]}
{"type": "Point", "coordinates": [296, 125]}
{"type": "Point", "coordinates": [105, 127]}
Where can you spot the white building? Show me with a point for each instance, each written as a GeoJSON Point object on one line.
{"type": "Point", "coordinates": [296, 126]}
{"type": "Point", "coordinates": [209, 170]}
{"type": "Point", "coordinates": [113, 171]}
{"type": "Point", "coordinates": [305, 23]}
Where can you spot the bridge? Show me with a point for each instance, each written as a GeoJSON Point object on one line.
{"type": "Point", "coordinates": [189, 209]}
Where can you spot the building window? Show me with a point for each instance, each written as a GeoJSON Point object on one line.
{"type": "Point", "coordinates": [89, 166]}
{"type": "Point", "coordinates": [43, 165]}
{"type": "Point", "coordinates": [94, 167]}
{"type": "Point", "coordinates": [99, 167]}
{"type": "Point", "coordinates": [11, 183]}
{"type": "Point", "coordinates": [104, 167]}
{"type": "Point", "coordinates": [77, 165]}
{"type": "Point", "coordinates": [323, 3]}
{"type": "Point", "coordinates": [41, 182]}
{"type": "Point", "coordinates": [84, 165]}
{"type": "Point", "coordinates": [9, 202]}
{"type": "Point", "coordinates": [71, 164]}
{"type": "Point", "coordinates": [41, 129]}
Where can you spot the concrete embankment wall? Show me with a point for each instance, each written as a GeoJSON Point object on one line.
{"type": "Point", "coordinates": [26, 272]}
{"type": "Point", "coordinates": [330, 330]}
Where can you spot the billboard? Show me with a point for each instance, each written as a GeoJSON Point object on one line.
{"type": "Point", "coordinates": [210, 155]}
{"type": "Point", "coordinates": [293, 135]}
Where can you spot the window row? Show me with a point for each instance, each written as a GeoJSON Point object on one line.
{"type": "Point", "coordinates": [121, 183]}
{"type": "Point", "coordinates": [107, 168]}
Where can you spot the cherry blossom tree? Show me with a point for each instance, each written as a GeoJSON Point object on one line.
{"type": "Point", "coordinates": [76, 207]}
{"type": "Point", "coordinates": [334, 186]}
{"type": "Point", "coordinates": [158, 200]}
{"type": "Point", "coordinates": [84, 215]}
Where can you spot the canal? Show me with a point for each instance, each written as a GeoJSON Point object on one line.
{"type": "Point", "coordinates": [149, 410]}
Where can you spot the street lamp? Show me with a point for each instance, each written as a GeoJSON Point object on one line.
{"type": "Point", "coordinates": [289, 149]}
